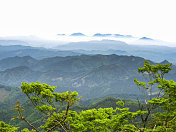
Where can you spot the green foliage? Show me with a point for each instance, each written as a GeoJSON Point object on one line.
{"type": "Point", "coordinates": [44, 98]}
{"type": "Point", "coordinates": [164, 98]}
{"type": "Point", "coordinates": [91, 120]}
{"type": "Point", "coordinates": [120, 103]}
{"type": "Point", "coordinates": [167, 118]}
{"type": "Point", "coordinates": [103, 119]}
{"type": "Point", "coordinates": [7, 128]}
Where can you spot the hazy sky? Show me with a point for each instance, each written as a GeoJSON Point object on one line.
{"type": "Point", "coordinates": [151, 18]}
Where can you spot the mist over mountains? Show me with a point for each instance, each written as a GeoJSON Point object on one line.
{"type": "Point", "coordinates": [103, 66]}
{"type": "Point", "coordinates": [11, 48]}
{"type": "Point", "coordinates": [36, 52]}
{"type": "Point", "coordinates": [94, 68]}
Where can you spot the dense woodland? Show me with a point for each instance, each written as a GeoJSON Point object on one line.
{"type": "Point", "coordinates": [47, 110]}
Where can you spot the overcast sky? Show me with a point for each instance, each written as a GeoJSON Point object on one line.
{"type": "Point", "coordinates": [150, 18]}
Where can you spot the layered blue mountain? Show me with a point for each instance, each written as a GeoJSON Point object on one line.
{"type": "Point", "coordinates": [112, 35]}
{"type": "Point", "coordinates": [12, 42]}
{"type": "Point", "coordinates": [122, 36]}
{"type": "Point", "coordinates": [35, 52]}
{"type": "Point", "coordinates": [105, 47]}
{"type": "Point", "coordinates": [152, 52]}
{"type": "Point", "coordinates": [16, 61]}
{"type": "Point", "coordinates": [102, 35]}
{"type": "Point", "coordinates": [145, 38]}
{"type": "Point", "coordinates": [77, 34]}
{"type": "Point", "coordinates": [94, 45]}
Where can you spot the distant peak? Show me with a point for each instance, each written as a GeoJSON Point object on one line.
{"type": "Point", "coordinates": [102, 35]}
{"type": "Point", "coordinates": [123, 36]}
{"type": "Point", "coordinates": [77, 34]}
{"type": "Point", "coordinates": [145, 38]}
{"type": "Point", "coordinates": [165, 62]}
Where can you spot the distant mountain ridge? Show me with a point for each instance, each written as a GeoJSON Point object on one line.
{"type": "Point", "coordinates": [16, 61]}
{"type": "Point", "coordinates": [93, 45]}
{"type": "Point", "coordinates": [35, 52]}
{"type": "Point", "coordinates": [105, 47]}
{"type": "Point", "coordinates": [102, 35]}
{"type": "Point", "coordinates": [145, 38]}
{"type": "Point", "coordinates": [12, 42]}
{"type": "Point", "coordinates": [91, 76]}
{"type": "Point", "coordinates": [151, 52]}
{"type": "Point", "coordinates": [112, 35]}
{"type": "Point", "coordinates": [77, 34]}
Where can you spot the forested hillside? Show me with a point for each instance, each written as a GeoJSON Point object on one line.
{"type": "Point", "coordinates": [89, 75]}
{"type": "Point", "coordinates": [94, 77]}
{"type": "Point", "coordinates": [65, 112]}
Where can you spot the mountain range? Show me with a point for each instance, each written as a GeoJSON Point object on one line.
{"type": "Point", "coordinates": [144, 47]}
{"type": "Point", "coordinates": [36, 52]}
{"type": "Point", "coordinates": [107, 47]}
{"type": "Point", "coordinates": [93, 68]}
{"type": "Point", "coordinates": [98, 35]}
{"type": "Point", "coordinates": [91, 76]}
